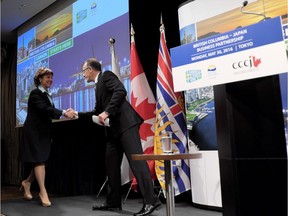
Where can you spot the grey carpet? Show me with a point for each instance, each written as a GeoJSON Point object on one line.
{"type": "Point", "coordinates": [82, 206]}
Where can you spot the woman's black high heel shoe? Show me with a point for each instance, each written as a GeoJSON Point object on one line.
{"type": "Point", "coordinates": [26, 187]}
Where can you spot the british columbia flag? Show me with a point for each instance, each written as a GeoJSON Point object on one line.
{"type": "Point", "coordinates": [170, 117]}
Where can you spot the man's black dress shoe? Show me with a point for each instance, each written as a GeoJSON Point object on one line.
{"type": "Point", "coordinates": [106, 207]}
{"type": "Point", "coordinates": [148, 209]}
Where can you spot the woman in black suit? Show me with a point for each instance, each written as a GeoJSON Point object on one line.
{"type": "Point", "coordinates": [122, 136]}
{"type": "Point", "coordinates": [35, 149]}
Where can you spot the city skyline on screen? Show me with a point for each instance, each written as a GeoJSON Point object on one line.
{"type": "Point", "coordinates": [63, 42]}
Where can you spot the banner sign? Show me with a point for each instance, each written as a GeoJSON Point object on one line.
{"type": "Point", "coordinates": [245, 53]}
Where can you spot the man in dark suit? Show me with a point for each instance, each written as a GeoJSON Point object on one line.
{"type": "Point", "coordinates": [122, 136]}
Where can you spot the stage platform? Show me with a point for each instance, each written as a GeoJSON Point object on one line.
{"type": "Point", "coordinates": [82, 205]}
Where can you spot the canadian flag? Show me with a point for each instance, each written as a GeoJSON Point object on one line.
{"type": "Point", "coordinates": [143, 101]}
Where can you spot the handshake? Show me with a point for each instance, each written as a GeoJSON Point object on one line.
{"type": "Point", "coordinates": [102, 119]}
{"type": "Point", "coordinates": [70, 113]}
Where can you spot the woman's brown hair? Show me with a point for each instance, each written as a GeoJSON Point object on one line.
{"type": "Point", "coordinates": [40, 73]}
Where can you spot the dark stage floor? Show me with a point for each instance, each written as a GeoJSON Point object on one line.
{"type": "Point", "coordinates": [15, 205]}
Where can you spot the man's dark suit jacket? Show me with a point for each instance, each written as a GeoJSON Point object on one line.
{"type": "Point", "coordinates": [111, 97]}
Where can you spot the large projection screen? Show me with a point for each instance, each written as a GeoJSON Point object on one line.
{"type": "Point", "coordinates": [202, 19]}
{"type": "Point", "coordinates": [63, 42]}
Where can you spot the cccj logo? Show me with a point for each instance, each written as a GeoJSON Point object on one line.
{"type": "Point", "coordinates": [252, 61]}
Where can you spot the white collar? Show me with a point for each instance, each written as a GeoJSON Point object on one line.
{"type": "Point", "coordinates": [40, 87]}
{"type": "Point", "coordinates": [96, 78]}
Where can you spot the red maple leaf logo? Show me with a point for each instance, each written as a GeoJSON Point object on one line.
{"type": "Point", "coordinates": [145, 131]}
{"type": "Point", "coordinates": [256, 62]}
{"type": "Point", "coordinates": [146, 111]}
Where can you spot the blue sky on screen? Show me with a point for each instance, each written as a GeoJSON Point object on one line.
{"type": "Point", "coordinates": [25, 38]}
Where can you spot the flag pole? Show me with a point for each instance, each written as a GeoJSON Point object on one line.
{"type": "Point", "coordinates": [126, 173]}
{"type": "Point", "coordinates": [143, 101]}
{"type": "Point", "coordinates": [114, 60]}
{"type": "Point", "coordinates": [132, 32]}
{"type": "Point", "coordinates": [170, 118]}
{"type": "Point", "coordinates": [162, 29]}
